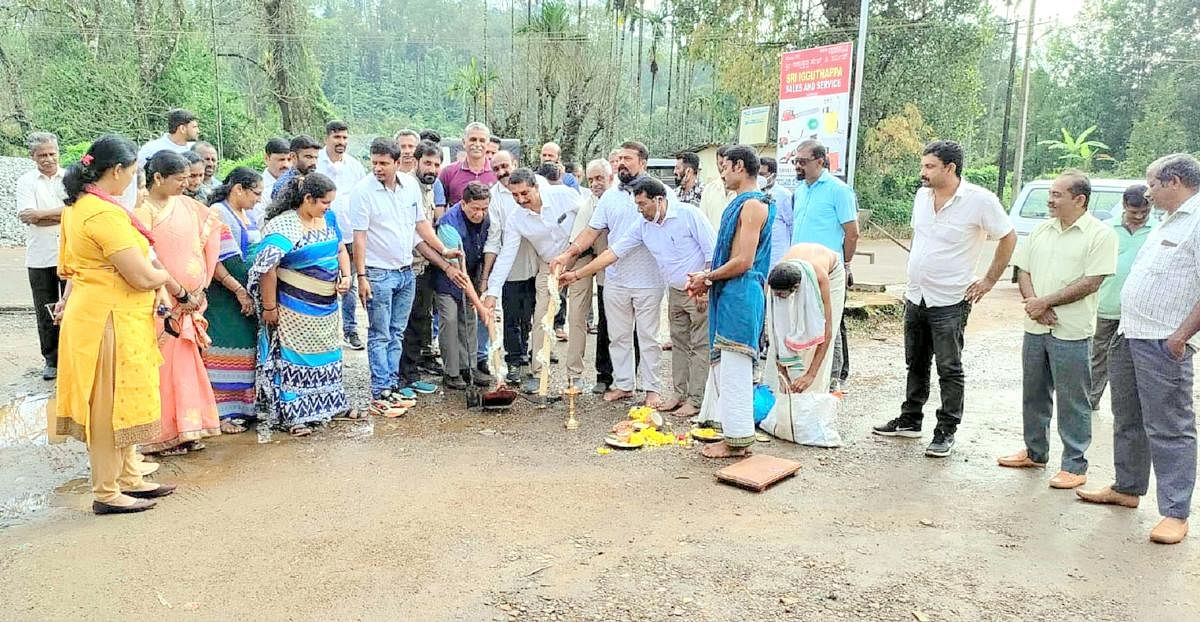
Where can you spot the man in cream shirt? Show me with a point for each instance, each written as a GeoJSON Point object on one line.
{"type": "Point", "coordinates": [40, 195]}
{"type": "Point", "coordinates": [1062, 264]}
{"type": "Point", "coordinates": [579, 294]}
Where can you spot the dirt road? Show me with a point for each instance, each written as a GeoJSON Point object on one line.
{"type": "Point", "coordinates": [451, 516]}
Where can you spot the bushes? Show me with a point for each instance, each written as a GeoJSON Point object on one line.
{"type": "Point", "coordinates": [255, 162]}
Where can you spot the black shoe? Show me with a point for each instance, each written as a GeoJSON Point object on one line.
{"type": "Point", "coordinates": [137, 506]}
{"type": "Point", "coordinates": [480, 377]}
{"type": "Point", "coordinates": [512, 378]}
{"type": "Point", "coordinates": [599, 388]}
{"type": "Point", "coordinates": [162, 491]}
{"type": "Point", "coordinates": [49, 372]}
{"type": "Point", "coordinates": [898, 427]}
{"type": "Point", "coordinates": [453, 383]}
{"type": "Point", "coordinates": [354, 342]}
{"type": "Point", "coordinates": [942, 443]}
{"type": "Point", "coordinates": [431, 367]}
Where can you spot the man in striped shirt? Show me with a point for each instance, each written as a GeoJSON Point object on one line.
{"type": "Point", "coordinates": [1150, 369]}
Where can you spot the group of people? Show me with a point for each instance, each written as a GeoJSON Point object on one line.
{"type": "Point", "coordinates": [183, 318]}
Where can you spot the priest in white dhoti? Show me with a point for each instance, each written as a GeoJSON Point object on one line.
{"type": "Point", "coordinates": [808, 287]}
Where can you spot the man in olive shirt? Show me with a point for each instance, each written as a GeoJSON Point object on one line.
{"type": "Point", "coordinates": [1062, 266]}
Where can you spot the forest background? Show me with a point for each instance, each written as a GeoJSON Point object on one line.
{"type": "Point", "coordinates": [588, 74]}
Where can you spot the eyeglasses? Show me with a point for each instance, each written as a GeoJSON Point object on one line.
{"type": "Point", "coordinates": [802, 161]}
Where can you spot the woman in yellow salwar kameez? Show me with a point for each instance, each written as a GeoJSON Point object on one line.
{"type": "Point", "coordinates": [108, 369]}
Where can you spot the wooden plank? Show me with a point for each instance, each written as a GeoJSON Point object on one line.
{"type": "Point", "coordinates": [758, 472]}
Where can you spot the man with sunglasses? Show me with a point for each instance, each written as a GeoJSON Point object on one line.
{"type": "Point", "coordinates": [824, 211]}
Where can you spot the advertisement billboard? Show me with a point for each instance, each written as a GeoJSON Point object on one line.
{"type": "Point", "coordinates": [814, 103]}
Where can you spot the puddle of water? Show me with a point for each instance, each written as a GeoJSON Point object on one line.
{"type": "Point", "coordinates": [26, 420]}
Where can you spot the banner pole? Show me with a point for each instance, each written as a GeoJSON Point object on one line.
{"type": "Point", "coordinates": [860, 58]}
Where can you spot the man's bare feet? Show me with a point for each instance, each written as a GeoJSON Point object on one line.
{"type": "Point", "coordinates": [686, 411]}
{"type": "Point", "coordinates": [670, 405]}
{"type": "Point", "coordinates": [653, 400]}
{"type": "Point", "coordinates": [723, 450]}
{"type": "Point", "coordinates": [613, 395]}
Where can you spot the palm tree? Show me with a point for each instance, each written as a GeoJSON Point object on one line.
{"type": "Point", "coordinates": [551, 27]}
{"type": "Point", "coordinates": [470, 83]}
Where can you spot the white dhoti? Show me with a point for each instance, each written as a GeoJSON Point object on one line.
{"type": "Point", "coordinates": [729, 398]}
{"type": "Point", "coordinates": [807, 417]}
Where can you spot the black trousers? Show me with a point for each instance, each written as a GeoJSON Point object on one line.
{"type": "Point", "coordinates": [418, 335]}
{"type": "Point", "coordinates": [518, 299]}
{"type": "Point", "coordinates": [604, 367]}
{"type": "Point", "coordinates": [47, 289]}
{"type": "Point", "coordinates": [934, 333]}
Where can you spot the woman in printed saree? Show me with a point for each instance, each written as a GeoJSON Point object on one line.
{"type": "Point", "coordinates": [297, 278]}
{"type": "Point", "coordinates": [737, 304]}
{"type": "Point", "coordinates": [107, 328]}
{"type": "Point", "coordinates": [186, 239]}
{"type": "Point", "coordinates": [232, 323]}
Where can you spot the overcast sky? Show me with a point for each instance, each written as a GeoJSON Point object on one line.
{"type": "Point", "coordinates": [1064, 11]}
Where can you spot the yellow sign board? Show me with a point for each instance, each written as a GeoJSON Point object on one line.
{"type": "Point", "coordinates": [754, 126]}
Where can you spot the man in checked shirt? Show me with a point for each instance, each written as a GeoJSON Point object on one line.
{"type": "Point", "coordinates": [1154, 421]}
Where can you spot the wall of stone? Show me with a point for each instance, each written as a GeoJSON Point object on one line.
{"type": "Point", "coordinates": [12, 232]}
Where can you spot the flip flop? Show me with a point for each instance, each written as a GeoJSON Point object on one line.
{"type": "Point", "coordinates": [353, 414]}
{"type": "Point", "coordinates": [384, 408]}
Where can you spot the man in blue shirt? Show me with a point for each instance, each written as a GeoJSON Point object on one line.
{"type": "Point", "coordinates": [825, 212]}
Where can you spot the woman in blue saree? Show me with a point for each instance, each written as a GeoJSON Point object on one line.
{"type": "Point", "coordinates": [298, 275]}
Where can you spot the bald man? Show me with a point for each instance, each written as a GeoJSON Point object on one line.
{"type": "Point", "coordinates": [551, 152]}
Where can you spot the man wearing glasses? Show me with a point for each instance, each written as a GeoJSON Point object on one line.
{"type": "Point", "coordinates": [825, 212]}
{"type": "Point", "coordinates": [1151, 367]}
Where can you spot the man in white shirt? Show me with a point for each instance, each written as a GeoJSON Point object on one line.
{"type": "Point", "coordinates": [277, 155]}
{"type": "Point", "coordinates": [345, 171]}
{"type": "Point", "coordinates": [579, 294]}
{"type": "Point", "coordinates": [39, 198]}
{"type": "Point", "coordinates": [951, 219]}
{"type": "Point", "coordinates": [544, 219]}
{"type": "Point", "coordinates": [681, 240]}
{"type": "Point", "coordinates": [182, 130]}
{"type": "Point", "coordinates": [1151, 367]}
{"type": "Point", "coordinates": [634, 287]}
{"type": "Point", "coordinates": [519, 292]}
{"type": "Point", "coordinates": [385, 211]}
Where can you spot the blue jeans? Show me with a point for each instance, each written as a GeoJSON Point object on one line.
{"type": "Point", "coordinates": [1057, 372]}
{"type": "Point", "coordinates": [392, 293]}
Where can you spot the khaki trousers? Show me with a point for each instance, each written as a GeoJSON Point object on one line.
{"type": "Point", "coordinates": [113, 468]}
{"type": "Point", "coordinates": [537, 337]}
{"type": "Point", "coordinates": [579, 304]}
{"type": "Point", "coordinates": [689, 346]}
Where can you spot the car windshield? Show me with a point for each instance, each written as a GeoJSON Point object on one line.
{"type": "Point", "coordinates": [1104, 204]}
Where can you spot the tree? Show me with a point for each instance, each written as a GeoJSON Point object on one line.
{"type": "Point", "coordinates": [470, 83]}
{"type": "Point", "coordinates": [1159, 129]}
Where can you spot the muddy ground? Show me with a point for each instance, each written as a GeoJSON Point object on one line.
{"type": "Point", "coordinates": [445, 515]}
